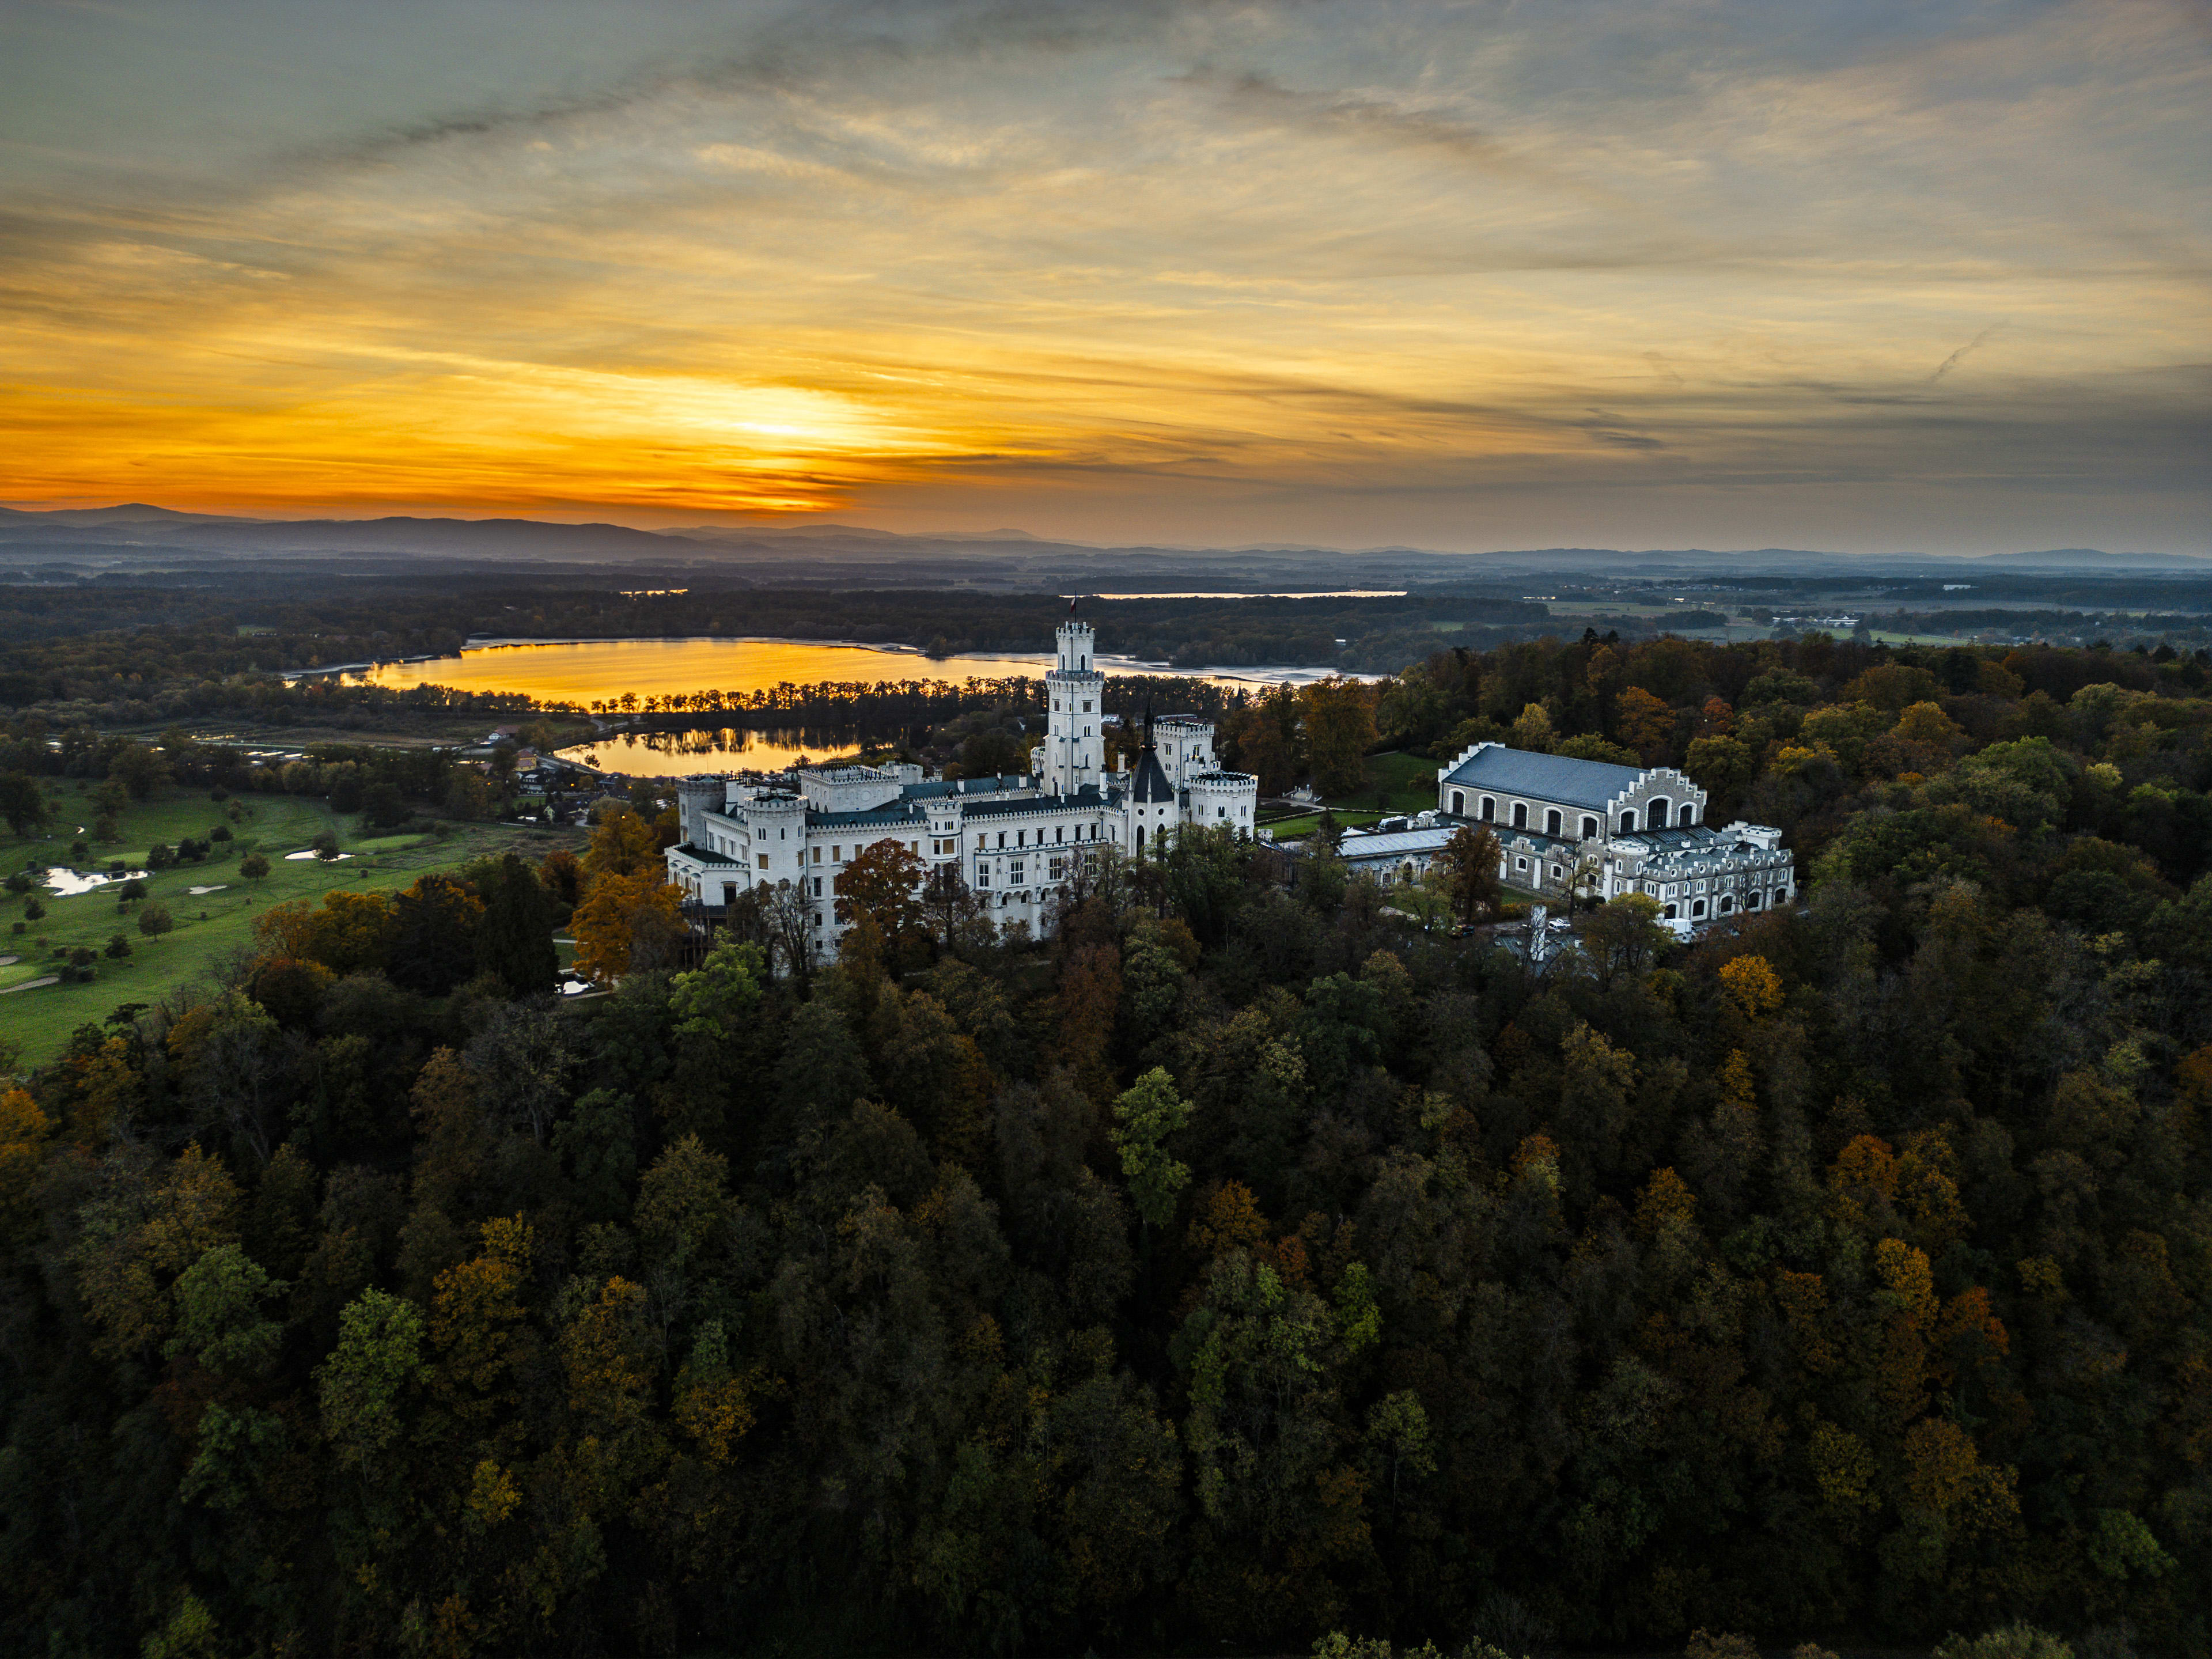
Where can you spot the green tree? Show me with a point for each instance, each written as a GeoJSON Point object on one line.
{"type": "Point", "coordinates": [22, 803]}
{"type": "Point", "coordinates": [514, 936]}
{"type": "Point", "coordinates": [364, 1385]}
{"type": "Point", "coordinates": [1145, 1116]}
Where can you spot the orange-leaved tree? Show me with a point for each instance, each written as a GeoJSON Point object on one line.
{"type": "Point", "coordinates": [628, 922]}
{"type": "Point", "coordinates": [884, 884]}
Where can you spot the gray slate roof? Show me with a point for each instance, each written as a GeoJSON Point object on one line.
{"type": "Point", "coordinates": [1394, 844]}
{"type": "Point", "coordinates": [1545, 777]}
{"type": "Point", "coordinates": [1151, 782]}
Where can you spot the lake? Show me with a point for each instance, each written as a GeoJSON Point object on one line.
{"type": "Point", "coordinates": [590, 670]}
{"type": "Point", "coordinates": [731, 749]}
{"type": "Point", "coordinates": [598, 671]}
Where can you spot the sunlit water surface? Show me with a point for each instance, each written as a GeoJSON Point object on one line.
{"type": "Point", "coordinates": [602, 671]}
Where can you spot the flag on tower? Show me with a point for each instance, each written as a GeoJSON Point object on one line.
{"type": "Point", "coordinates": [1070, 605]}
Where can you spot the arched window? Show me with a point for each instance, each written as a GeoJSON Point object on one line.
{"type": "Point", "coordinates": [1628, 822]}
{"type": "Point", "coordinates": [1590, 828]}
{"type": "Point", "coordinates": [1459, 803]}
{"type": "Point", "coordinates": [1688, 814]}
{"type": "Point", "coordinates": [1655, 814]}
{"type": "Point", "coordinates": [1552, 825]}
{"type": "Point", "coordinates": [1140, 838]}
{"type": "Point", "coordinates": [1489, 808]}
{"type": "Point", "coordinates": [1670, 913]}
{"type": "Point", "coordinates": [1520, 815]}
{"type": "Point", "coordinates": [1751, 901]}
{"type": "Point", "coordinates": [1728, 904]}
{"type": "Point", "coordinates": [1699, 908]}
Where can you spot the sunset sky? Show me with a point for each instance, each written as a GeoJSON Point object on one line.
{"type": "Point", "coordinates": [1870, 277]}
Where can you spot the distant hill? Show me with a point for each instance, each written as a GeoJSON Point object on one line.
{"type": "Point", "coordinates": [136, 534]}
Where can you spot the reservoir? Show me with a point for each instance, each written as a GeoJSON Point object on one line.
{"type": "Point", "coordinates": [597, 670]}
{"type": "Point", "coordinates": [586, 672]}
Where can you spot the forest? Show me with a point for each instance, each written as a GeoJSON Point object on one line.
{"type": "Point", "coordinates": [1239, 1265]}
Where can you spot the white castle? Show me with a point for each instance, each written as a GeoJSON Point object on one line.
{"type": "Point", "coordinates": [1014, 841]}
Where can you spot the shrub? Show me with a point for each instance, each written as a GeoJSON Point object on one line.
{"type": "Point", "coordinates": [118, 946]}
{"type": "Point", "coordinates": [155, 920]}
{"type": "Point", "coordinates": [160, 856]}
{"type": "Point", "coordinates": [132, 888]}
{"type": "Point", "coordinates": [20, 882]}
{"type": "Point", "coordinates": [2020, 1641]}
{"type": "Point", "coordinates": [80, 850]}
{"type": "Point", "coordinates": [326, 847]}
{"type": "Point", "coordinates": [220, 832]}
{"type": "Point", "coordinates": [253, 867]}
{"type": "Point", "coordinates": [34, 911]}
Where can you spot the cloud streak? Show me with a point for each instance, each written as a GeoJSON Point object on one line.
{"type": "Point", "coordinates": [1963, 353]}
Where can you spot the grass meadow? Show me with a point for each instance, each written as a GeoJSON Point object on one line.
{"type": "Point", "coordinates": [212, 928]}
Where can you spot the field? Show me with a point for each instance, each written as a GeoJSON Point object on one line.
{"type": "Point", "coordinates": [211, 926]}
{"type": "Point", "coordinates": [1395, 783]}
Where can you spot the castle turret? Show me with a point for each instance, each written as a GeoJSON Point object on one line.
{"type": "Point", "coordinates": [694, 798]}
{"type": "Point", "coordinates": [1075, 740]}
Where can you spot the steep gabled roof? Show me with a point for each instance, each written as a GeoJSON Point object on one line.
{"type": "Point", "coordinates": [1544, 777]}
{"type": "Point", "coordinates": [1149, 781]}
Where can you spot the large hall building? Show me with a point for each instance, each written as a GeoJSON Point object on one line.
{"type": "Point", "coordinates": [1568, 824]}
{"type": "Point", "coordinates": [1014, 840]}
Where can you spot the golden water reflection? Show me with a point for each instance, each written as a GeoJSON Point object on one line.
{"type": "Point", "coordinates": [728, 749]}
{"type": "Point", "coordinates": [599, 671]}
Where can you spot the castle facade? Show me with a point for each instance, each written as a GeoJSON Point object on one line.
{"type": "Point", "coordinates": [1014, 841]}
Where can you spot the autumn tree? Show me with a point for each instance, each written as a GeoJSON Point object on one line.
{"type": "Point", "coordinates": [1339, 730]}
{"type": "Point", "coordinates": [627, 923]}
{"type": "Point", "coordinates": [1467, 866]}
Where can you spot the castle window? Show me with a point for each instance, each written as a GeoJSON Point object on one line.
{"type": "Point", "coordinates": [763, 858]}
{"type": "Point", "coordinates": [1699, 908]}
{"type": "Point", "coordinates": [1489, 808]}
{"type": "Point", "coordinates": [1459, 803]}
{"type": "Point", "coordinates": [1520, 815]}
{"type": "Point", "coordinates": [1590, 828]}
{"type": "Point", "coordinates": [1552, 825]}
{"type": "Point", "coordinates": [1688, 814]}
{"type": "Point", "coordinates": [1520, 864]}
{"type": "Point", "coordinates": [1628, 822]}
{"type": "Point", "coordinates": [1655, 815]}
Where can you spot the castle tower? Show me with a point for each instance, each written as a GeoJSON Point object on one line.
{"type": "Point", "coordinates": [1075, 739]}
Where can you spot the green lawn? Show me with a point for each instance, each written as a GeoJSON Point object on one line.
{"type": "Point", "coordinates": [210, 927]}
{"type": "Point", "coordinates": [1407, 783]}
{"type": "Point", "coordinates": [1291, 829]}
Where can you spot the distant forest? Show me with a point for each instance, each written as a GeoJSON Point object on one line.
{"type": "Point", "coordinates": [1253, 1257]}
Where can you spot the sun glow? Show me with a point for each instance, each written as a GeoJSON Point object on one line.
{"type": "Point", "coordinates": [1109, 287]}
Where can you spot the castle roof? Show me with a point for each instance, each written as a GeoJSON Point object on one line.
{"type": "Point", "coordinates": [1151, 782]}
{"type": "Point", "coordinates": [1545, 777]}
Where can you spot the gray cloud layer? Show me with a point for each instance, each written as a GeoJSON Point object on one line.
{"type": "Point", "coordinates": [1902, 275]}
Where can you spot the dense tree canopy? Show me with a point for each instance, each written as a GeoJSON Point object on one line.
{"type": "Point", "coordinates": [1235, 1264]}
